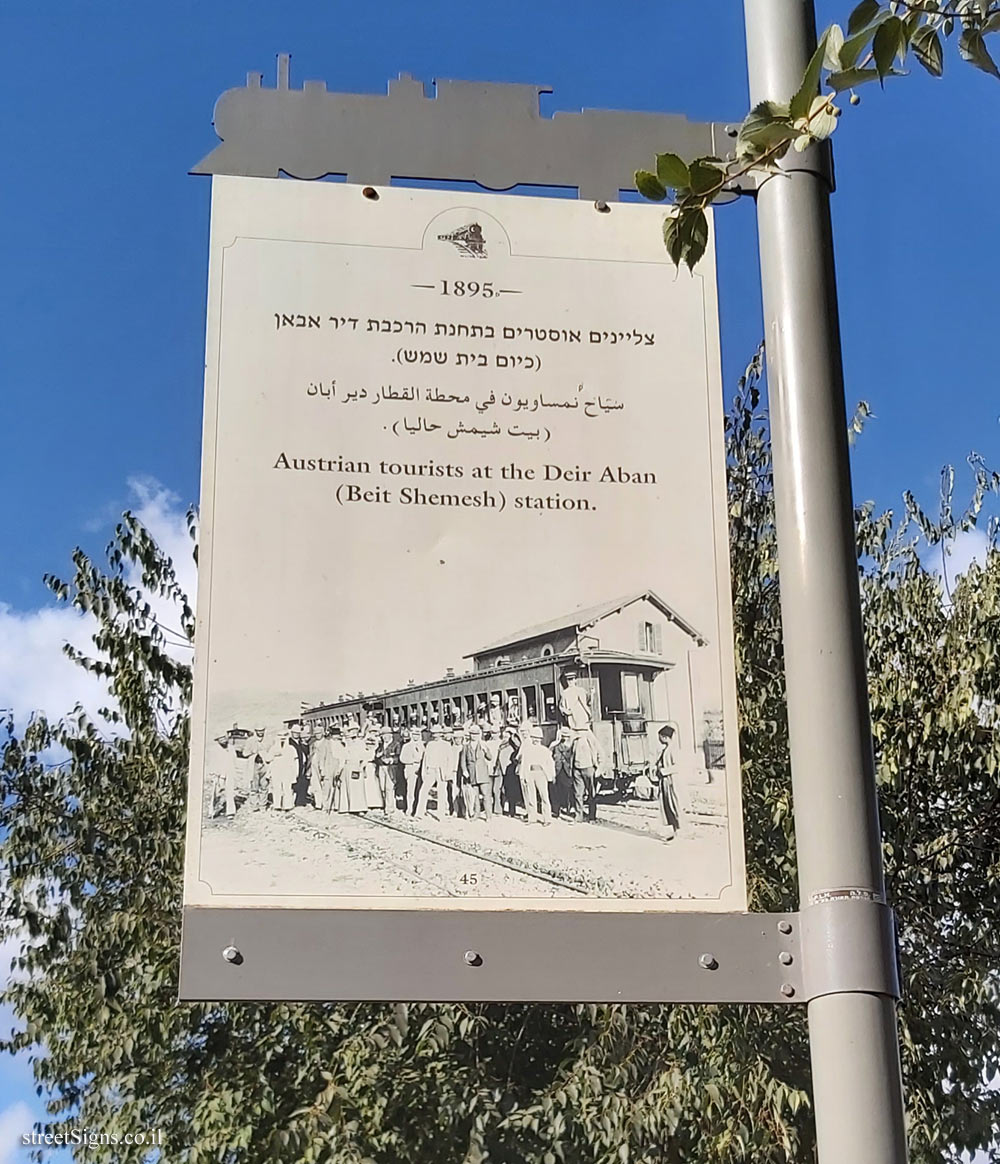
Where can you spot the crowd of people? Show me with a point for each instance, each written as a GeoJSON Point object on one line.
{"type": "Point", "coordinates": [476, 770]}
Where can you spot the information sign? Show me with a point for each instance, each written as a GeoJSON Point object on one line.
{"type": "Point", "coordinates": [464, 626]}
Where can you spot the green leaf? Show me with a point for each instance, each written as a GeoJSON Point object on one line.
{"type": "Point", "coordinates": [765, 112]}
{"type": "Point", "coordinates": [887, 44]}
{"type": "Point", "coordinates": [926, 45]}
{"type": "Point", "coordinates": [699, 239]}
{"type": "Point", "coordinates": [649, 186]}
{"type": "Point", "coordinates": [672, 171]}
{"type": "Point", "coordinates": [672, 239]}
{"type": "Point", "coordinates": [705, 176]}
{"type": "Point", "coordinates": [850, 79]}
{"type": "Point", "coordinates": [765, 139]}
{"type": "Point", "coordinates": [810, 81]}
{"type": "Point", "coordinates": [854, 44]}
{"type": "Point", "coordinates": [862, 16]}
{"type": "Point", "coordinates": [694, 230]}
{"type": "Point", "coordinates": [764, 126]}
{"type": "Point", "coordinates": [972, 48]}
{"type": "Point", "coordinates": [834, 43]}
{"type": "Point", "coordinates": [685, 235]}
{"type": "Point", "coordinates": [822, 118]}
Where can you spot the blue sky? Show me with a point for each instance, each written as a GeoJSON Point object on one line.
{"type": "Point", "coordinates": [104, 106]}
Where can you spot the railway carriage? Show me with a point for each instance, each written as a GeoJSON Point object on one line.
{"type": "Point", "coordinates": [632, 691]}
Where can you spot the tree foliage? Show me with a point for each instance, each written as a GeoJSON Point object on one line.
{"type": "Point", "coordinates": [880, 38]}
{"type": "Point", "coordinates": [91, 860]}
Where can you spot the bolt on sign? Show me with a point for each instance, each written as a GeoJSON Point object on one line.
{"type": "Point", "coordinates": [464, 686]}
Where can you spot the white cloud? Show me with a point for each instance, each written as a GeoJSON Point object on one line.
{"type": "Point", "coordinates": [957, 555]}
{"type": "Point", "coordinates": [15, 1121]}
{"type": "Point", "coordinates": [34, 673]}
{"type": "Point", "coordinates": [968, 547]}
{"type": "Point", "coordinates": [162, 513]}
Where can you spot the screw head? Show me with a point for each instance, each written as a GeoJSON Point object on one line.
{"type": "Point", "coordinates": [473, 958]}
{"type": "Point", "coordinates": [371, 193]}
{"type": "Point", "coordinates": [231, 954]}
{"type": "Point", "coordinates": [784, 927]}
{"type": "Point", "coordinates": [602, 207]}
{"type": "Point", "coordinates": [708, 962]}
{"type": "Point", "coordinates": [785, 958]}
{"type": "Point", "coordinates": [787, 989]}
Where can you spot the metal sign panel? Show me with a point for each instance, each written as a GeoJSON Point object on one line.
{"type": "Point", "coordinates": [464, 637]}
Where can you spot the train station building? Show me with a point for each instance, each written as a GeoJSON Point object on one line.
{"type": "Point", "coordinates": [632, 654]}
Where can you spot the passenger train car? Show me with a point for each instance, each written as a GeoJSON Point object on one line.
{"type": "Point", "coordinates": [632, 655]}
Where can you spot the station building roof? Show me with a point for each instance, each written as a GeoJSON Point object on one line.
{"type": "Point", "coordinates": [586, 617]}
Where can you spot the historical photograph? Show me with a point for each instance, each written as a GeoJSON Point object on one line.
{"type": "Point", "coordinates": [547, 769]}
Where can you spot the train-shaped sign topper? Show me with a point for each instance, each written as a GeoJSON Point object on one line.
{"type": "Point", "coordinates": [488, 133]}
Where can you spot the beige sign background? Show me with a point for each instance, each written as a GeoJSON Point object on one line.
{"type": "Point", "coordinates": [433, 419]}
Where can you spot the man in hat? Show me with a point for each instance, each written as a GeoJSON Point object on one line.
{"type": "Point", "coordinates": [537, 772]}
{"type": "Point", "coordinates": [356, 757]}
{"type": "Point", "coordinates": [264, 745]}
{"type": "Point", "coordinates": [284, 773]}
{"type": "Point", "coordinates": [435, 772]}
{"type": "Point", "coordinates": [456, 739]}
{"type": "Point", "coordinates": [665, 774]}
{"type": "Point", "coordinates": [411, 753]}
{"type": "Point", "coordinates": [586, 763]}
{"type": "Point", "coordinates": [386, 767]}
{"type": "Point", "coordinates": [373, 791]}
{"type": "Point", "coordinates": [223, 779]}
{"type": "Point", "coordinates": [491, 745]}
{"type": "Point", "coordinates": [326, 766]}
{"type": "Point", "coordinates": [243, 749]}
{"type": "Point", "coordinates": [475, 772]}
{"type": "Point", "coordinates": [562, 760]}
{"type": "Point", "coordinates": [574, 703]}
{"type": "Point", "coordinates": [507, 785]}
{"type": "Point", "coordinates": [495, 715]}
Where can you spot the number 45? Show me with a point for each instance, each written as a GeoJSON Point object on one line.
{"type": "Point", "coordinates": [470, 878]}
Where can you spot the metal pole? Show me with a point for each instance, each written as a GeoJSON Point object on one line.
{"type": "Point", "coordinates": [857, 1089]}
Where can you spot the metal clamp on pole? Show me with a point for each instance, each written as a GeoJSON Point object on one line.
{"type": "Point", "coordinates": [849, 947]}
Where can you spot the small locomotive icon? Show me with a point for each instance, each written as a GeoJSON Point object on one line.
{"type": "Point", "coordinates": [468, 239]}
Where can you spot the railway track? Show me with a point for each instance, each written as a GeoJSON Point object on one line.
{"type": "Point", "coordinates": [375, 823]}
{"type": "Point", "coordinates": [634, 812]}
{"type": "Point", "coordinates": [512, 868]}
{"type": "Point", "coordinates": [406, 870]}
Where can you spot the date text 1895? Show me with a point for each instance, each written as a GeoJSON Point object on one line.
{"type": "Point", "coordinates": [467, 289]}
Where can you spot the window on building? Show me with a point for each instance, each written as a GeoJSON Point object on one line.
{"type": "Point", "coordinates": [549, 703]}
{"type": "Point", "coordinates": [630, 692]}
{"type": "Point", "coordinates": [530, 703]}
{"type": "Point", "coordinates": [651, 638]}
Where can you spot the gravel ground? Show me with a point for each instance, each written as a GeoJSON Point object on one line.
{"type": "Point", "coordinates": [623, 855]}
